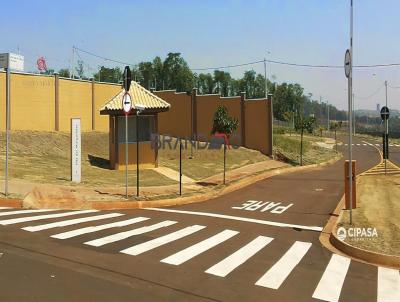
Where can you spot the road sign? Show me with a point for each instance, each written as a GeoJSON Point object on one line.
{"type": "Point", "coordinates": [347, 60]}
{"type": "Point", "coordinates": [127, 103]}
{"type": "Point", "coordinates": [127, 78]}
{"type": "Point", "coordinates": [385, 113]}
{"type": "Point", "coordinates": [12, 61]}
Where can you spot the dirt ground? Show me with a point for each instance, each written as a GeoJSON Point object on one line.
{"type": "Point", "coordinates": [378, 205]}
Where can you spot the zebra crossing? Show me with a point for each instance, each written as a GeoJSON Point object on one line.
{"type": "Point", "coordinates": [329, 287]}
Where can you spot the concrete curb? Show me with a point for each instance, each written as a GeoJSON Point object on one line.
{"type": "Point", "coordinates": [13, 203]}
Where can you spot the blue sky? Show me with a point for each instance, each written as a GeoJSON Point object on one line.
{"type": "Point", "coordinates": [217, 33]}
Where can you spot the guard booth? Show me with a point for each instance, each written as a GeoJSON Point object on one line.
{"type": "Point", "coordinates": [148, 128]}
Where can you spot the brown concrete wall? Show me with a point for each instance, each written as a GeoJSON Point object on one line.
{"type": "Point", "coordinates": [176, 121]}
{"type": "Point", "coordinates": [258, 125]}
{"type": "Point", "coordinates": [206, 107]}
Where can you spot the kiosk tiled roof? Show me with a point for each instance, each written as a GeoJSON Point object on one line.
{"type": "Point", "coordinates": [139, 95]}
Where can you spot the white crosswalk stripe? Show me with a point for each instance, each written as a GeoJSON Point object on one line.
{"type": "Point", "coordinates": [70, 222]}
{"type": "Point", "coordinates": [41, 217]}
{"type": "Point", "coordinates": [198, 248]}
{"type": "Point", "coordinates": [331, 283]}
{"type": "Point", "coordinates": [152, 244]}
{"type": "Point", "coordinates": [224, 267]}
{"type": "Point", "coordinates": [92, 229]}
{"type": "Point", "coordinates": [388, 285]}
{"type": "Point", "coordinates": [277, 274]}
{"type": "Point", "coordinates": [130, 233]}
{"type": "Point", "coordinates": [18, 212]}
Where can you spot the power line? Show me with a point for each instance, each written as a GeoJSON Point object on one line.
{"type": "Point", "coordinates": [372, 94]}
{"type": "Point", "coordinates": [251, 63]}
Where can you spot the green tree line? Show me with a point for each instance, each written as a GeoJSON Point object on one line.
{"type": "Point", "coordinates": [289, 100]}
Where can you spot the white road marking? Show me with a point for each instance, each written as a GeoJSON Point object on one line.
{"type": "Point", "coordinates": [130, 233]}
{"type": "Point", "coordinates": [4, 208]}
{"type": "Point", "coordinates": [237, 218]}
{"type": "Point", "coordinates": [358, 144]}
{"type": "Point", "coordinates": [364, 144]}
{"type": "Point", "coordinates": [152, 244]}
{"type": "Point", "coordinates": [92, 229]}
{"type": "Point", "coordinates": [388, 285]}
{"type": "Point", "coordinates": [198, 248]}
{"type": "Point", "coordinates": [24, 212]}
{"type": "Point", "coordinates": [331, 283]}
{"type": "Point", "coordinates": [377, 145]}
{"type": "Point", "coordinates": [41, 217]}
{"type": "Point", "coordinates": [239, 257]}
{"type": "Point", "coordinates": [277, 274]}
{"type": "Point", "coordinates": [47, 226]}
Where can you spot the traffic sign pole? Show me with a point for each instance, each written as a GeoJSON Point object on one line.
{"type": "Point", "coordinates": [127, 106]}
{"type": "Point", "coordinates": [126, 155]}
{"type": "Point", "coordinates": [8, 74]}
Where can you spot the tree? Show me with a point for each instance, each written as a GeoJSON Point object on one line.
{"type": "Point", "coordinates": [304, 123]}
{"type": "Point", "coordinates": [224, 124]}
{"type": "Point", "coordinates": [336, 125]}
{"type": "Point", "coordinates": [79, 69]}
{"type": "Point", "coordinates": [110, 75]}
{"type": "Point", "coordinates": [64, 72]}
{"type": "Point", "coordinates": [177, 74]}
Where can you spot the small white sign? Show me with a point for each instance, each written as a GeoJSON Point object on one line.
{"type": "Point", "coordinates": [76, 149]}
{"type": "Point", "coordinates": [12, 61]}
{"type": "Point", "coordinates": [127, 102]}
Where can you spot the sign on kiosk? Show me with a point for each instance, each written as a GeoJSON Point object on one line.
{"type": "Point", "coordinates": [12, 61]}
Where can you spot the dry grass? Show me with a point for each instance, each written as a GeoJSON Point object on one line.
{"type": "Point", "coordinates": [44, 157]}
{"type": "Point", "coordinates": [378, 205]}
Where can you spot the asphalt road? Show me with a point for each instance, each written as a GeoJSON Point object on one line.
{"type": "Point", "coordinates": [260, 243]}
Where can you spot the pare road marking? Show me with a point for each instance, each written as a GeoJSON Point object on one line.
{"type": "Point", "coordinates": [263, 206]}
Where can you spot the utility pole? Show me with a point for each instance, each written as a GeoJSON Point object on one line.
{"type": "Point", "coordinates": [354, 118]}
{"type": "Point", "coordinates": [386, 125]}
{"type": "Point", "coordinates": [73, 62]}
{"type": "Point", "coordinates": [329, 126]}
{"type": "Point", "coordinates": [350, 95]}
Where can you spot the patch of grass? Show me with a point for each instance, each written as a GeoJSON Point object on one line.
{"type": "Point", "coordinates": [287, 148]}
{"type": "Point", "coordinates": [206, 162]}
{"type": "Point", "coordinates": [378, 206]}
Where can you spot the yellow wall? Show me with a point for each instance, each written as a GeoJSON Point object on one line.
{"type": "Point", "coordinates": [75, 98]}
{"type": "Point", "coordinates": [103, 93]}
{"type": "Point", "coordinates": [32, 102]}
